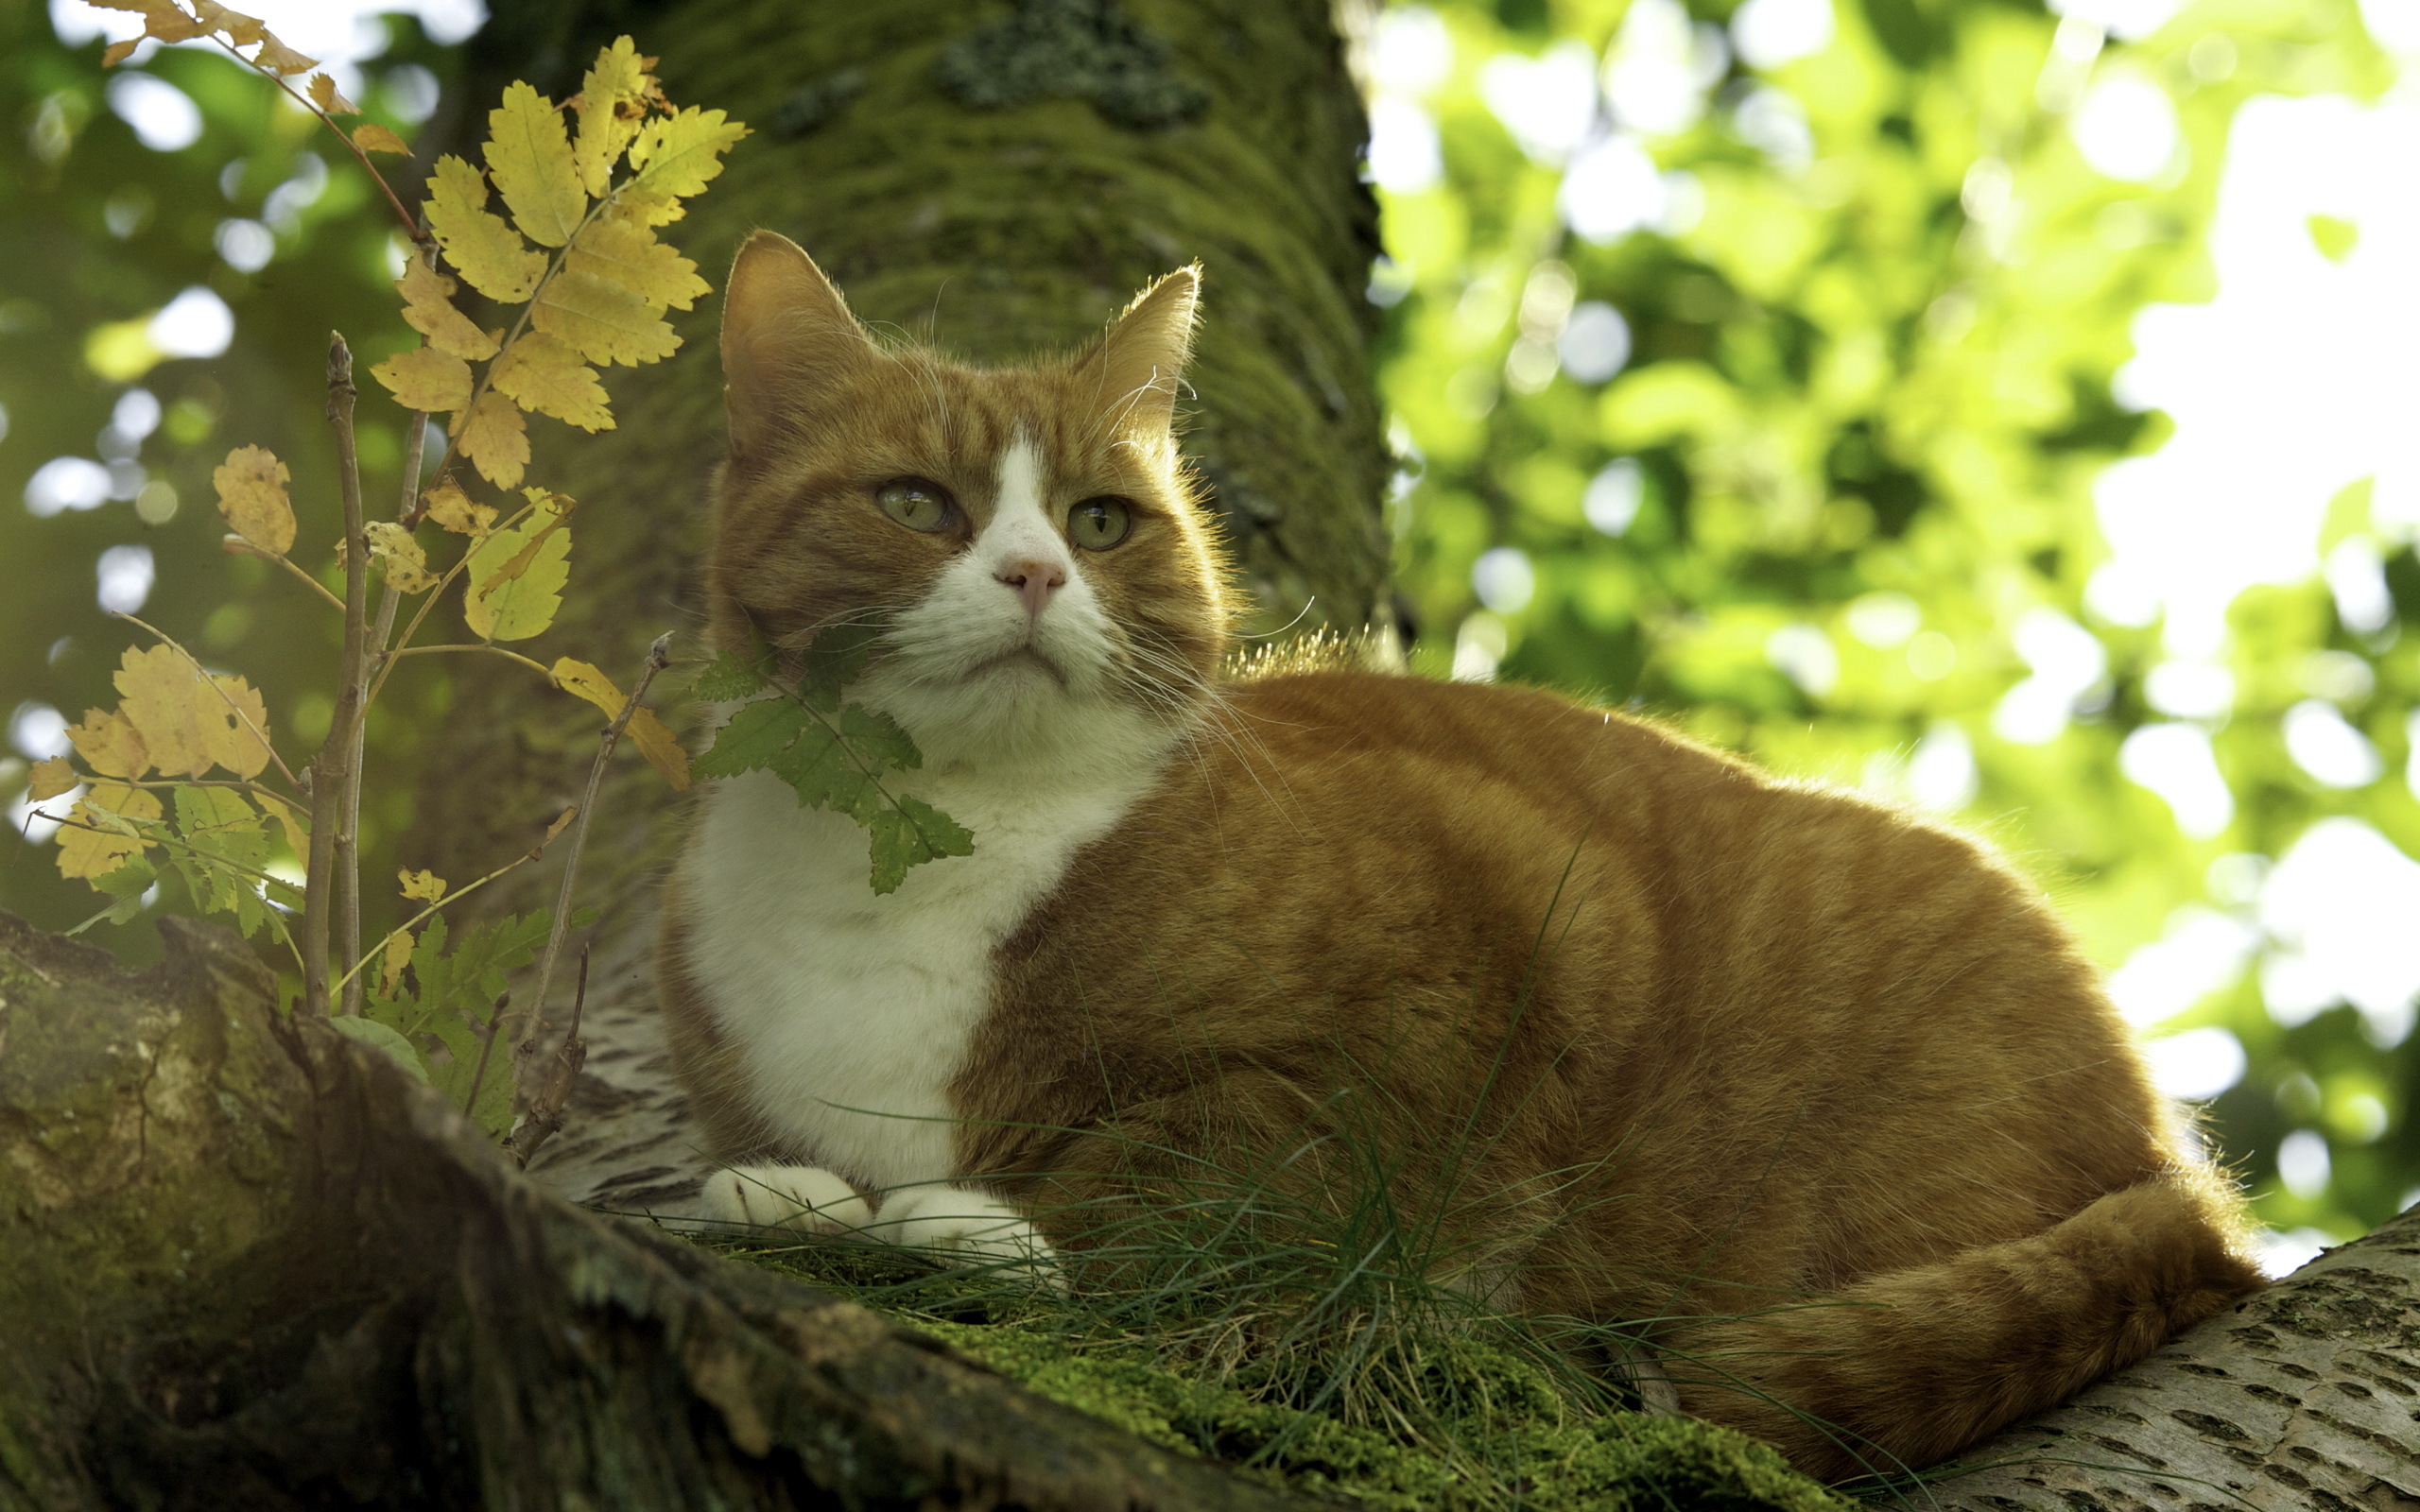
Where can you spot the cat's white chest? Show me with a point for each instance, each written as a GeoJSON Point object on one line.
{"type": "Point", "coordinates": [853, 1012]}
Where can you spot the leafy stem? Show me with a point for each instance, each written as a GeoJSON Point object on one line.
{"type": "Point", "coordinates": [532, 1018]}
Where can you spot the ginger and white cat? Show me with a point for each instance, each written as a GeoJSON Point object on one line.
{"type": "Point", "coordinates": [1682, 1040]}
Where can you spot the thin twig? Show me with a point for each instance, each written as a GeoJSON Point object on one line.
{"type": "Point", "coordinates": [333, 886]}
{"type": "Point", "coordinates": [546, 1103]}
{"type": "Point", "coordinates": [539, 667]}
{"type": "Point", "coordinates": [532, 1018]}
{"type": "Point", "coordinates": [486, 1048]}
{"type": "Point", "coordinates": [349, 986]}
{"type": "Point", "coordinates": [455, 896]}
{"type": "Point", "coordinates": [235, 545]}
{"type": "Point", "coordinates": [410, 228]}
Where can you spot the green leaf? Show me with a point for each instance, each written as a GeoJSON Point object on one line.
{"type": "Point", "coordinates": [227, 845]}
{"type": "Point", "coordinates": [835, 659]}
{"type": "Point", "coordinates": [910, 835]}
{"type": "Point", "coordinates": [728, 677]}
{"type": "Point", "coordinates": [753, 738]}
{"type": "Point", "coordinates": [126, 884]}
{"type": "Point", "coordinates": [453, 1000]}
{"type": "Point", "coordinates": [379, 1037]}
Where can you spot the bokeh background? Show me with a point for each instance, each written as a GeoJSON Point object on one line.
{"type": "Point", "coordinates": [2008, 411]}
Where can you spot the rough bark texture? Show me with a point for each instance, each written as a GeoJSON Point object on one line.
{"type": "Point", "coordinates": [249, 1263]}
{"type": "Point", "coordinates": [2305, 1396]}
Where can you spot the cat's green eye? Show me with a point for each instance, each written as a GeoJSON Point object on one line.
{"type": "Point", "coordinates": [916, 504]}
{"type": "Point", "coordinates": [1097, 525]}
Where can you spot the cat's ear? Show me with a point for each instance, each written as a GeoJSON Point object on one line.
{"type": "Point", "coordinates": [787, 334]}
{"type": "Point", "coordinates": [1140, 359]}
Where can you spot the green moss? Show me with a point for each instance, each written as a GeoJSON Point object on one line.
{"type": "Point", "coordinates": [1471, 1425]}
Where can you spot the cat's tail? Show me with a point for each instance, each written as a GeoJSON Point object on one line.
{"type": "Point", "coordinates": [1907, 1368]}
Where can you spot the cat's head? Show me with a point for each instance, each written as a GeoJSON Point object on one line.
{"type": "Point", "coordinates": [1028, 540]}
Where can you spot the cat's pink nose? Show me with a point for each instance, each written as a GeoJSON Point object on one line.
{"type": "Point", "coordinates": [1035, 580]}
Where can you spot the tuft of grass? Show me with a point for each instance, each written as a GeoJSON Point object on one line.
{"type": "Point", "coordinates": [1309, 1345]}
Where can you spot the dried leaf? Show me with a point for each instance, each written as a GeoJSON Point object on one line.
{"type": "Point", "coordinates": [118, 52]}
{"type": "Point", "coordinates": [187, 724]}
{"type": "Point", "coordinates": [425, 378]}
{"type": "Point", "coordinates": [677, 156]}
{"type": "Point", "coordinates": [482, 248]}
{"type": "Point", "coordinates": [109, 745]}
{"type": "Point", "coordinates": [251, 496]}
{"type": "Point", "coordinates": [241, 29]}
{"type": "Point", "coordinates": [428, 308]}
{"type": "Point", "coordinates": [97, 841]}
{"type": "Point", "coordinates": [324, 95]}
{"type": "Point", "coordinates": [372, 137]}
{"type": "Point", "coordinates": [529, 159]}
{"type": "Point", "coordinates": [281, 60]}
{"type": "Point", "coordinates": [602, 322]}
{"type": "Point", "coordinates": [161, 18]}
{"type": "Point", "coordinates": [611, 104]}
{"type": "Point", "coordinates": [627, 254]}
{"type": "Point", "coordinates": [399, 555]}
{"type": "Point", "coordinates": [661, 747]}
{"type": "Point", "coordinates": [561, 823]}
{"type": "Point", "coordinates": [586, 681]}
{"type": "Point", "coordinates": [517, 578]}
{"type": "Point", "coordinates": [539, 374]}
{"type": "Point", "coordinates": [392, 959]}
{"type": "Point", "coordinates": [423, 887]}
{"type": "Point", "coordinates": [493, 436]}
{"type": "Point", "coordinates": [453, 509]}
{"type": "Point", "coordinates": [52, 776]}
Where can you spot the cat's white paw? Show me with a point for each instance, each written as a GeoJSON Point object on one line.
{"type": "Point", "coordinates": [962, 1227]}
{"type": "Point", "coordinates": [805, 1199]}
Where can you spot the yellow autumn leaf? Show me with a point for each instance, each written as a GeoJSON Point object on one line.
{"type": "Point", "coordinates": [426, 378]}
{"type": "Point", "coordinates": [452, 510]}
{"type": "Point", "coordinates": [641, 208]}
{"type": "Point", "coordinates": [399, 555]}
{"type": "Point", "coordinates": [588, 682]}
{"type": "Point", "coordinates": [611, 104]}
{"type": "Point", "coordinates": [109, 745]}
{"type": "Point", "coordinates": [603, 322]}
{"type": "Point", "coordinates": [493, 436]}
{"type": "Point", "coordinates": [482, 248]}
{"type": "Point", "coordinates": [189, 724]}
{"type": "Point", "coordinates": [517, 578]}
{"type": "Point", "coordinates": [95, 840]}
{"type": "Point", "coordinates": [679, 155]}
{"type": "Point", "coordinates": [241, 29]}
{"type": "Point", "coordinates": [392, 959]}
{"type": "Point", "coordinates": [52, 776]}
{"type": "Point", "coordinates": [281, 60]}
{"type": "Point", "coordinates": [627, 254]}
{"type": "Point", "coordinates": [530, 160]}
{"type": "Point", "coordinates": [423, 887]}
{"type": "Point", "coordinates": [541, 373]}
{"type": "Point", "coordinates": [161, 18]}
{"type": "Point", "coordinates": [324, 95]}
{"type": "Point", "coordinates": [428, 308]}
{"type": "Point", "coordinates": [372, 137]}
{"type": "Point", "coordinates": [251, 494]}
{"type": "Point", "coordinates": [661, 747]}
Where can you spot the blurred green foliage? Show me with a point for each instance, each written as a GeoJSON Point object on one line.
{"type": "Point", "coordinates": [1868, 387]}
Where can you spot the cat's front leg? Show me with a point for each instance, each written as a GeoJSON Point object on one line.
{"type": "Point", "coordinates": [805, 1199]}
{"type": "Point", "coordinates": [961, 1227]}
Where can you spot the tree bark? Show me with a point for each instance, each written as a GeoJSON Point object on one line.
{"type": "Point", "coordinates": [2306, 1395]}
{"type": "Point", "coordinates": [251, 1263]}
